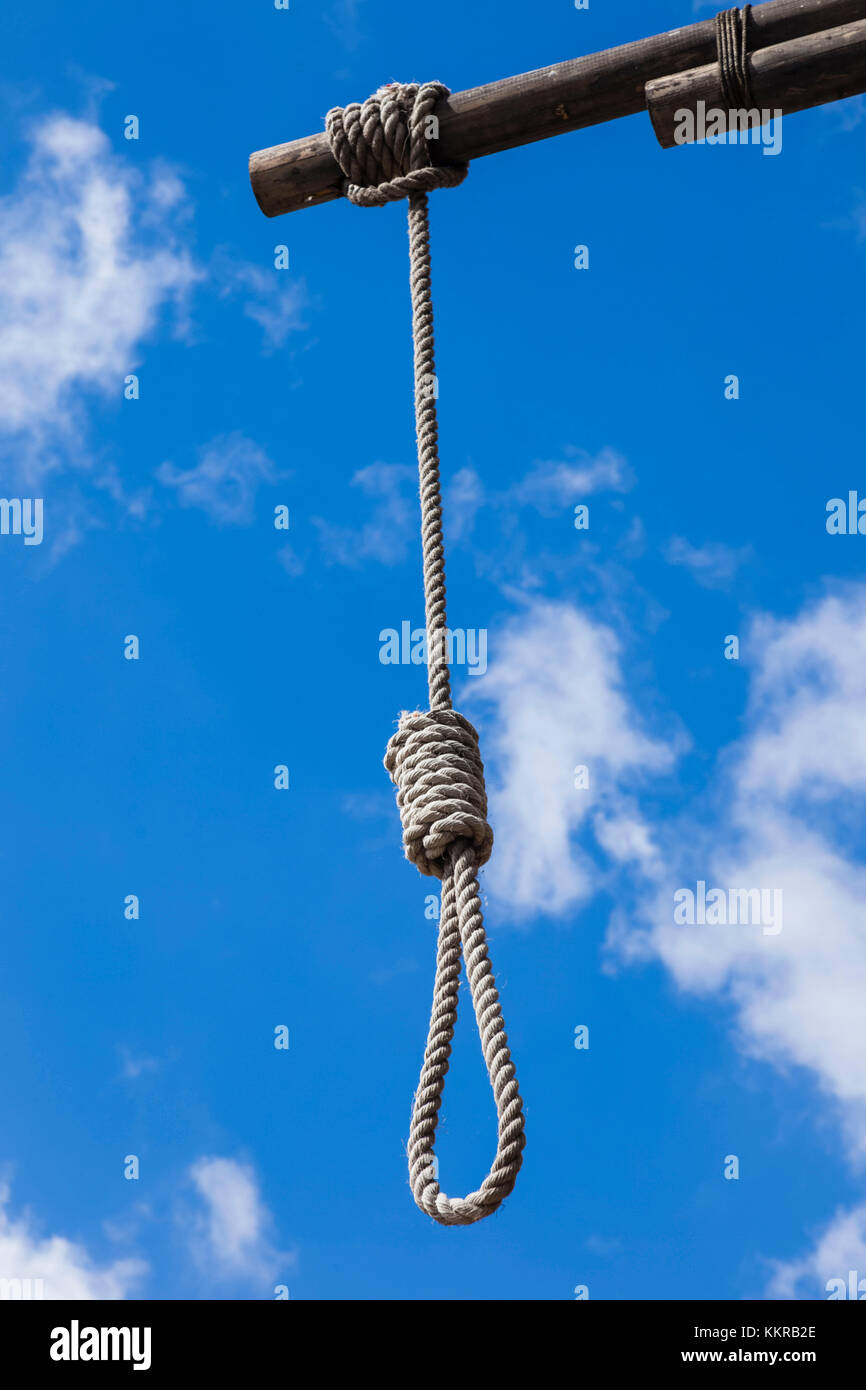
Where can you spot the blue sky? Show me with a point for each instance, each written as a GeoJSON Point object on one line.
{"type": "Point", "coordinates": [259, 387]}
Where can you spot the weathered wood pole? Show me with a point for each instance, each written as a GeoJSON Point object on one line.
{"type": "Point", "coordinates": [568, 96]}
{"type": "Point", "coordinates": [788, 77]}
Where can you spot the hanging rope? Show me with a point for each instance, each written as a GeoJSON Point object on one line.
{"type": "Point", "coordinates": [732, 42]}
{"type": "Point", "coordinates": [434, 761]}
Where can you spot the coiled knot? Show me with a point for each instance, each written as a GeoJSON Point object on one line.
{"type": "Point", "coordinates": [435, 764]}
{"type": "Point", "coordinates": [382, 145]}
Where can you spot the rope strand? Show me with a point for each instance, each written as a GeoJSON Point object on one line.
{"type": "Point", "coordinates": [732, 43]}
{"type": "Point", "coordinates": [433, 759]}
{"type": "Point", "coordinates": [427, 434]}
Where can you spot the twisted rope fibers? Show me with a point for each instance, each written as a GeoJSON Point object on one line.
{"type": "Point", "coordinates": [732, 42]}
{"type": "Point", "coordinates": [383, 149]}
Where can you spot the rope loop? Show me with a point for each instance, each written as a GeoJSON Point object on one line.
{"type": "Point", "coordinates": [383, 145]}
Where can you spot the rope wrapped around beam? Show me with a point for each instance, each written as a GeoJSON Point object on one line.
{"type": "Point", "coordinates": [732, 39]}
{"type": "Point", "coordinates": [383, 149]}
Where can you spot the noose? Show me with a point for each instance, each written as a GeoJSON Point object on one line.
{"type": "Point", "coordinates": [434, 760]}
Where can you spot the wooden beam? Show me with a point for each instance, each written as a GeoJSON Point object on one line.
{"type": "Point", "coordinates": [568, 96]}
{"type": "Point", "coordinates": [792, 76]}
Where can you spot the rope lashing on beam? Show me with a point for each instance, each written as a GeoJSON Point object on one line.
{"type": "Point", "coordinates": [433, 759]}
{"type": "Point", "coordinates": [732, 42]}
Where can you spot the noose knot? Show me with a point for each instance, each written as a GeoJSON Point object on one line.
{"type": "Point", "coordinates": [435, 764]}
{"type": "Point", "coordinates": [383, 144]}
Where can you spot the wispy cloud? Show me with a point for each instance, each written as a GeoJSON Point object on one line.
{"type": "Point", "coordinates": [386, 534]}
{"type": "Point", "coordinates": [134, 1067]}
{"type": "Point", "coordinates": [392, 524]}
{"type": "Point", "coordinates": [81, 285]}
{"type": "Point", "coordinates": [65, 1268]}
{"type": "Point", "coordinates": [506, 547]}
{"type": "Point", "coordinates": [224, 482]}
{"type": "Point", "coordinates": [784, 811]}
{"type": "Point", "coordinates": [553, 484]}
{"type": "Point", "coordinates": [269, 297]}
{"type": "Point", "coordinates": [554, 699]}
{"type": "Point", "coordinates": [783, 816]}
{"type": "Point", "coordinates": [548, 486]}
{"type": "Point", "coordinates": [95, 262]}
{"type": "Point", "coordinates": [342, 18]}
{"type": "Point", "coordinates": [289, 560]}
{"type": "Point", "coordinates": [714, 565]}
{"type": "Point", "coordinates": [464, 497]}
{"type": "Point", "coordinates": [839, 1250]}
{"type": "Point", "coordinates": [230, 1232]}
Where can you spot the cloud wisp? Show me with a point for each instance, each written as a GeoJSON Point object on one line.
{"type": "Point", "coordinates": [567, 749]}
{"type": "Point", "coordinates": [53, 1267]}
{"type": "Point", "coordinates": [782, 816]}
{"type": "Point", "coordinates": [229, 1230]}
{"type": "Point", "coordinates": [81, 287]}
{"type": "Point", "coordinates": [225, 481]}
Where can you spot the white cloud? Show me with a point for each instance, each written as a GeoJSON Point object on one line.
{"type": "Point", "coordinates": [270, 298]}
{"type": "Point", "coordinates": [604, 1246]}
{"type": "Point", "coordinates": [551, 485]}
{"type": "Point", "coordinates": [548, 486]}
{"type": "Point", "coordinates": [463, 497]}
{"type": "Point", "coordinates": [64, 1268]}
{"type": "Point", "coordinates": [78, 290]}
{"type": "Point", "coordinates": [506, 551]}
{"type": "Point", "coordinates": [290, 560]}
{"type": "Point", "coordinates": [781, 819]}
{"type": "Point", "coordinates": [94, 249]}
{"type": "Point", "coordinates": [133, 1067]}
{"type": "Point", "coordinates": [798, 995]}
{"type": "Point", "coordinates": [225, 481]}
{"type": "Point", "coordinates": [342, 19]}
{"type": "Point", "coordinates": [808, 703]}
{"type": "Point", "coordinates": [714, 564]}
{"type": "Point", "coordinates": [557, 700]}
{"type": "Point", "coordinates": [784, 812]}
{"type": "Point", "coordinates": [394, 521]}
{"type": "Point", "coordinates": [839, 1250]}
{"type": "Point", "coordinates": [231, 1232]}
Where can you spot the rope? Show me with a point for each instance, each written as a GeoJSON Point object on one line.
{"type": "Point", "coordinates": [433, 759]}
{"type": "Point", "coordinates": [732, 43]}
